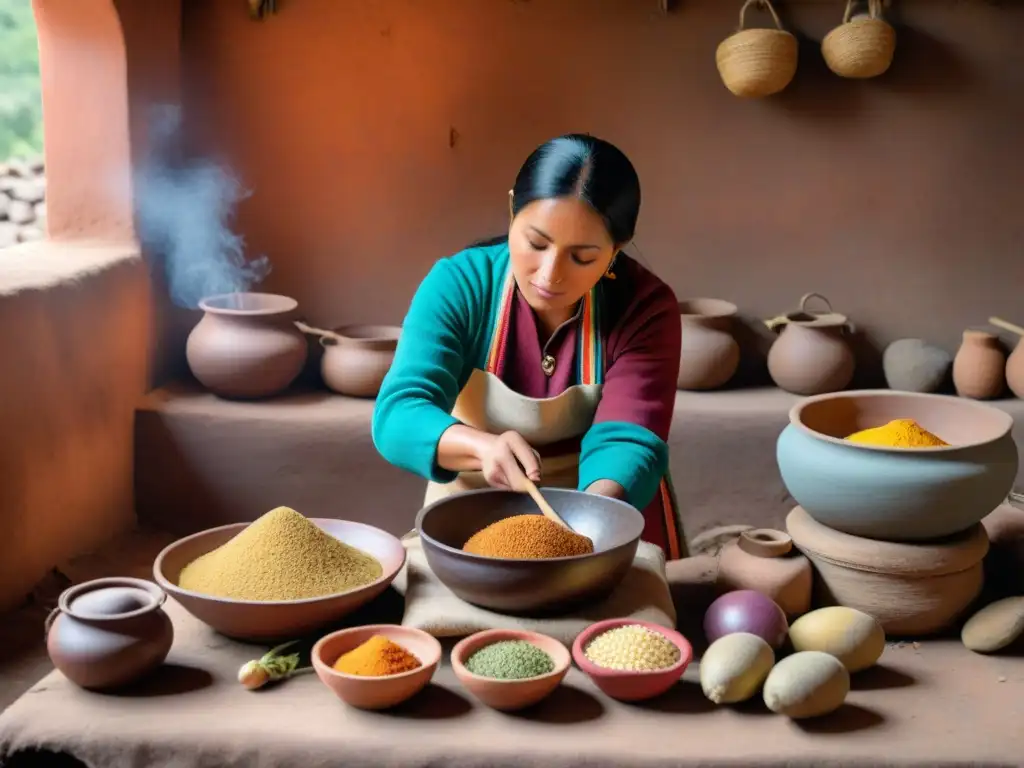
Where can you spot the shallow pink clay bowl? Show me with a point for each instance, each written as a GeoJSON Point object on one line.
{"type": "Point", "coordinates": [510, 695]}
{"type": "Point", "coordinates": [279, 619]}
{"type": "Point", "coordinates": [376, 692]}
{"type": "Point", "coordinates": [625, 685]}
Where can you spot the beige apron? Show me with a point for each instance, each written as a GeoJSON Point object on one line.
{"type": "Point", "coordinates": [488, 404]}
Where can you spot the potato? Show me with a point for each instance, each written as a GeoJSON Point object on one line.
{"type": "Point", "coordinates": [995, 626]}
{"type": "Point", "coordinates": [807, 684]}
{"type": "Point", "coordinates": [852, 636]}
{"type": "Point", "coordinates": [734, 667]}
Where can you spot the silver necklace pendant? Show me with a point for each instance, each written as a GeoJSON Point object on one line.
{"type": "Point", "coordinates": [548, 365]}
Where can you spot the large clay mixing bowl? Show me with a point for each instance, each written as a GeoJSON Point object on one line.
{"type": "Point", "coordinates": [897, 494]}
{"type": "Point", "coordinates": [281, 619]}
{"type": "Point", "coordinates": [529, 586]}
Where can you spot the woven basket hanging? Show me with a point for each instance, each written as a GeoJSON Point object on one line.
{"type": "Point", "coordinates": [862, 46]}
{"type": "Point", "coordinates": [757, 62]}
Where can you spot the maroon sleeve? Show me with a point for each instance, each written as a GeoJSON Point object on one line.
{"type": "Point", "coordinates": [643, 350]}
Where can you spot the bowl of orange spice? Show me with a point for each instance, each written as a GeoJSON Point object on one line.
{"type": "Point", "coordinates": [376, 666]}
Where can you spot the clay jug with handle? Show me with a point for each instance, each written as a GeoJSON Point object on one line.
{"type": "Point", "coordinates": [979, 368]}
{"type": "Point", "coordinates": [710, 354]}
{"type": "Point", "coordinates": [812, 355]}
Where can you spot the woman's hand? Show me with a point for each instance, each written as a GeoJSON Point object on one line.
{"type": "Point", "coordinates": [506, 458]}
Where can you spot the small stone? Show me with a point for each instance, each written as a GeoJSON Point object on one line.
{"type": "Point", "coordinates": [40, 211]}
{"type": "Point", "coordinates": [7, 184]}
{"type": "Point", "coordinates": [21, 212]}
{"type": "Point", "coordinates": [8, 234]}
{"type": "Point", "coordinates": [29, 191]}
{"type": "Point", "coordinates": [5, 205]}
{"type": "Point", "coordinates": [995, 626]}
{"type": "Point", "coordinates": [20, 169]}
{"type": "Point", "coordinates": [30, 234]}
{"type": "Point", "coordinates": [914, 365]}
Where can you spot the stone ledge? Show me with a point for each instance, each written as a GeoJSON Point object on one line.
{"type": "Point", "coordinates": [43, 264]}
{"type": "Point", "coordinates": [202, 461]}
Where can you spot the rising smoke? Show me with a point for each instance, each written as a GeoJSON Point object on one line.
{"type": "Point", "coordinates": [183, 209]}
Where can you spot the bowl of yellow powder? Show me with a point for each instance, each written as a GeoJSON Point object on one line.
{"type": "Point", "coordinates": [494, 549]}
{"type": "Point", "coordinates": [376, 666]}
{"type": "Point", "coordinates": [632, 660]}
{"type": "Point", "coordinates": [897, 466]}
{"type": "Point", "coordinates": [281, 576]}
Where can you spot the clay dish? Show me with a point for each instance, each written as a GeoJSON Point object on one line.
{"type": "Point", "coordinates": [281, 619]}
{"type": "Point", "coordinates": [625, 685]}
{"type": "Point", "coordinates": [376, 692]}
{"type": "Point", "coordinates": [357, 358]}
{"type": "Point", "coordinates": [541, 586]}
{"type": "Point", "coordinates": [897, 494]}
{"type": "Point", "coordinates": [510, 695]}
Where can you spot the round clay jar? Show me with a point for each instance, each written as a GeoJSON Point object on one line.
{"type": "Point", "coordinates": [246, 345]}
{"type": "Point", "coordinates": [110, 632]}
{"type": "Point", "coordinates": [979, 368]}
{"type": "Point", "coordinates": [916, 588]}
{"type": "Point", "coordinates": [710, 354]}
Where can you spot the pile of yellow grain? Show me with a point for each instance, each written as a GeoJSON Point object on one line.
{"type": "Point", "coordinates": [280, 556]}
{"type": "Point", "coordinates": [899, 433]}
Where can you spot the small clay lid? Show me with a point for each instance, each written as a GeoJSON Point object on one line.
{"type": "Point", "coordinates": [951, 554]}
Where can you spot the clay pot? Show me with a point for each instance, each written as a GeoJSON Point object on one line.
{"type": "Point", "coordinates": [1015, 370]}
{"type": "Point", "coordinates": [246, 345]}
{"type": "Point", "coordinates": [979, 368]}
{"type": "Point", "coordinates": [710, 354]}
{"type": "Point", "coordinates": [110, 632]}
{"type": "Point", "coordinates": [914, 365]}
{"type": "Point", "coordinates": [764, 560]}
{"type": "Point", "coordinates": [356, 363]}
{"type": "Point", "coordinates": [915, 588]}
{"type": "Point", "coordinates": [812, 355]}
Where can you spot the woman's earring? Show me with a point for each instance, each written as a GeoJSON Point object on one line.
{"type": "Point", "coordinates": [608, 272]}
{"type": "Point", "coordinates": [511, 211]}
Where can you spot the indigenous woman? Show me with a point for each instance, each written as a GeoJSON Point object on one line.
{"type": "Point", "coordinates": [547, 352]}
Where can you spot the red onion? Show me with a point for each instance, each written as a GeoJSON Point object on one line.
{"type": "Point", "coordinates": [746, 610]}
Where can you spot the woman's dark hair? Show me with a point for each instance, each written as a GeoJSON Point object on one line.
{"type": "Point", "coordinates": [588, 169]}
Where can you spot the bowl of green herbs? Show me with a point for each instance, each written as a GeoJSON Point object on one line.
{"type": "Point", "coordinates": [510, 669]}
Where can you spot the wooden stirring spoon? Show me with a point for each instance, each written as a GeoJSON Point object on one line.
{"type": "Point", "coordinates": [1006, 325]}
{"type": "Point", "coordinates": [545, 508]}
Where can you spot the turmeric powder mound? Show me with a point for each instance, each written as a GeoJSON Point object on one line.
{"type": "Point", "coordinates": [377, 657]}
{"type": "Point", "coordinates": [900, 433]}
{"type": "Point", "coordinates": [527, 537]}
{"type": "Point", "coordinates": [280, 556]}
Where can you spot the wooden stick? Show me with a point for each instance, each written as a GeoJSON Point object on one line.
{"type": "Point", "coordinates": [322, 333]}
{"type": "Point", "coordinates": [545, 508]}
{"type": "Point", "coordinates": [1006, 326]}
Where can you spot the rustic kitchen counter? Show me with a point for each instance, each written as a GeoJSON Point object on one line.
{"type": "Point", "coordinates": [927, 704]}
